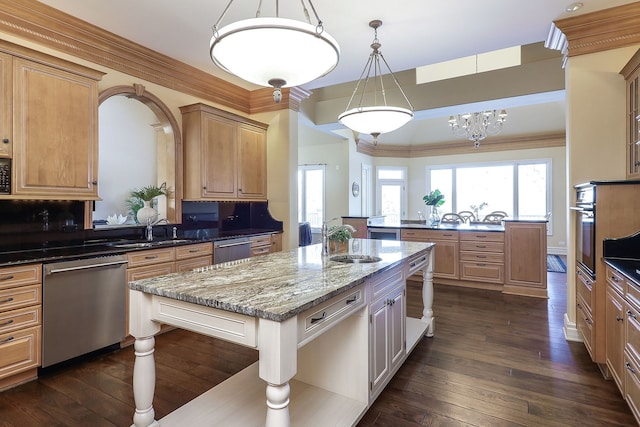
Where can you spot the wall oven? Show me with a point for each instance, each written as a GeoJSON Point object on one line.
{"type": "Point", "coordinates": [586, 227]}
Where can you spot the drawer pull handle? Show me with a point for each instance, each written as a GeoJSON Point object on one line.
{"type": "Point", "coordinates": [481, 237]}
{"type": "Point", "coordinates": [319, 319]}
{"type": "Point", "coordinates": [589, 322]}
{"type": "Point", "coordinates": [481, 246]}
{"type": "Point", "coordinates": [448, 235]}
{"type": "Point", "coordinates": [619, 318]}
{"type": "Point", "coordinates": [193, 251]}
{"type": "Point", "coordinates": [629, 367]}
{"type": "Point", "coordinates": [352, 300]}
{"type": "Point", "coordinates": [6, 300]}
{"type": "Point", "coordinates": [151, 257]}
{"type": "Point", "coordinates": [481, 256]}
{"type": "Point", "coordinates": [8, 322]}
{"type": "Point", "coordinates": [630, 314]}
{"type": "Point", "coordinates": [6, 340]}
{"type": "Point", "coordinates": [11, 276]}
{"type": "Point", "coordinates": [413, 264]}
{"type": "Point", "coordinates": [615, 279]}
{"type": "Point", "coordinates": [480, 264]}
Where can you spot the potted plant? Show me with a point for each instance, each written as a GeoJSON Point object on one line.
{"type": "Point", "coordinates": [434, 199]}
{"type": "Point", "coordinates": [140, 201]}
{"type": "Point", "coordinates": [340, 237]}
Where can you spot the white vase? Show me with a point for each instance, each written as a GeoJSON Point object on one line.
{"type": "Point", "coordinates": [146, 212]}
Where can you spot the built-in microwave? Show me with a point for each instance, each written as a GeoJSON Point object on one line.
{"type": "Point", "coordinates": [383, 233]}
{"type": "Point", "coordinates": [585, 228]}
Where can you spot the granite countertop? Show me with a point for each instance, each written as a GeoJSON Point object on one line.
{"type": "Point", "coordinates": [382, 222]}
{"type": "Point", "coordinates": [280, 285]}
{"type": "Point", "coordinates": [629, 267]}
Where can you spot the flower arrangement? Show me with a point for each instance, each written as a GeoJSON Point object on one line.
{"type": "Point", "coordinates": [435, 198]}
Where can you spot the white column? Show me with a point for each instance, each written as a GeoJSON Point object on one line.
{"type": "Point", "coordinates": [277, 365]}
{"type": "Point", "coordinates": [144, 369]}
{"type": "Point", "coordinates": [427, 294]}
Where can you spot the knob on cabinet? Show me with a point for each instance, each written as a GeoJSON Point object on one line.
{"type": "Point", "coordinates": [5, 140]}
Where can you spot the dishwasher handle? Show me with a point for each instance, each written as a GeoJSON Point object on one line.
{"type": "Point", "coordinates": [229, 245]}
{"type": "Point", "coordinates": [85, 267]}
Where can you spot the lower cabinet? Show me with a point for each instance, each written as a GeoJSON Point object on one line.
{"type": "Point", "coordinates": [482, 256]}
{"type": "Point", "coordinates": [387, 331]}
{"type": "Point", "coordinates": [266, 244]}
{"type": "Point", "coordinates": [526, 258]}
{"type": "Point", "coordinates": [20, 323]}
{"type": "Point", "coordinates": [623, 336]}
{"type": "Point", "coordinates": [446, 250]}
{"type": "Point", "coordinates": [585, 323]}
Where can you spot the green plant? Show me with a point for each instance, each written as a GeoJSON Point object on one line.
{"type": "Point", "coordinates": [134, 204]}
{"type": "Point", "coordinates": [341, 235]}
{"type": "Point", "coordinates": [435, 198]}
{"type": "Point", "coordinates": [148, 192]}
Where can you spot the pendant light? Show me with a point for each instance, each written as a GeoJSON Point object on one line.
{"type": "Point", "coordinates": [373, 115]}
{"type": "Point", "coordinates": [274, 51]}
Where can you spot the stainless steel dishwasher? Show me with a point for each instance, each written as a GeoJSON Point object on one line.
{"type": "Point", "coordinates": [231, 249]}
{"type": "Point", "coordinates": [83, 306]}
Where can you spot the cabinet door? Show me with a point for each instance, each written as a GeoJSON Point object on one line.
{"type": "Point", "coordinates": [396, 307]}
{"type": "Point", "coordinates": [379, 351]}
{"type": "Point", "coordinates": [446, 263]}
{"type": "Point", "coordinates": [526, 258]}
{"type": "Point", "coordinates": [633, 149]}
{"type": "Point", "coordinates": [615, 336]}
{"type": "Point", "coordinates": [55, 132]}
{"type": "Point", "coordinates": [218, 157]}
{"type": "Point", "coordinates": [6, 112]}
{"type": "Point", "coordinates": [252, 163]}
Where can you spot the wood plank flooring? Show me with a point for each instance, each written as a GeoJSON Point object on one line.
{"type": "Point", "coordinates": [496, 360]}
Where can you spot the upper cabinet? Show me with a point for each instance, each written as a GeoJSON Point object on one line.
{"type": "Point", "coordinates": [631, 73]}
{"type": "Point", "coordinates": [49, 125]}
{"type": "Point", "coordinates": [225, 155]}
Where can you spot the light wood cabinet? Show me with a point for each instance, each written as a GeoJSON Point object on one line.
{"type": "Point", "coordinates": [20, 323]}
{"type": "Point", "coordinates": [359, 223]}
{"type": "Point", "coordinates": [447, 254]}
{"type": "Point", "coordinates": [631, 73]}
{"type": "Point", "coordinates": [615, 313]}
{"type": "Point", "coordinates": [482, 256]}
{"type": "Point", "coordinates": [526, 258]}
{"type": "Point", "coordinates": [584, 308]}
{"type": "Point", "coordinates": [53, 135]}
{"type": "Point", "coordinates": [225, 155]}
{"type": "Point", "coordinates": [387, 332]}
{"type": "Point", "coordinates": [266, 244]}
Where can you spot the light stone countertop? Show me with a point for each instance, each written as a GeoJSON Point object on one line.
{"type": "Point", "coordinates": [279, 285]}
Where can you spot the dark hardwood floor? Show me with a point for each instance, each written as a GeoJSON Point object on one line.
{"type": "Point", "coordinates": [495, 360]}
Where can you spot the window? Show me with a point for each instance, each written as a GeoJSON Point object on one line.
{"type": "Point", "coordinates": [311, 195]}
{"type": "Point", "coordinates": [522, 189]}
{"type": "Point", "coordinates": [391, 197]}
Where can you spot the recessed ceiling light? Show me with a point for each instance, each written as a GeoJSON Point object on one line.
{"type": "Point", "coordinates": [573, 7]}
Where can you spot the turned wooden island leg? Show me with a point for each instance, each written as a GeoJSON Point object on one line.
{"type": "Point", "coordinates": [277, 365]}
{"type": "Point", "coordinates": [427, 295]}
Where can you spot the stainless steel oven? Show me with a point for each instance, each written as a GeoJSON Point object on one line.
{"type": "Point", "coordinates": [383, 233]}
{"type": "Point", "coordinates": [586, 227]}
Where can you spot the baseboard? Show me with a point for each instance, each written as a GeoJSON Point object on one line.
{"type": "Point", "coordinates": [557, 250]}
{"type": "Point", "coordinates": [570, 330]}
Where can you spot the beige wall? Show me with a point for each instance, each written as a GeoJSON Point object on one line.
{"type": "Point", "coordinates": [596, 124]}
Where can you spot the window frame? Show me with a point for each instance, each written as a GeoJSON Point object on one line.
{"type": "Point", "coordinates": [302, 192]}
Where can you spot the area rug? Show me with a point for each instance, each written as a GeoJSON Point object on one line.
{"type": "Point", "coordinates": [555, 264]}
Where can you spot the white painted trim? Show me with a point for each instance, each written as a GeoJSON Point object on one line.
{"type": "Point", "coordinates": [570, 330]}
{"type": "Point", "coordinates": [556, 250]}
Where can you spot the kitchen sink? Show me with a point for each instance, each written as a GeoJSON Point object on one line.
{"type": "Point", "coordinates": [355, 259]}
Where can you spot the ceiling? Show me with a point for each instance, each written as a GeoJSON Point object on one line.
{"type": "Point", "coordinates": [412, 35]}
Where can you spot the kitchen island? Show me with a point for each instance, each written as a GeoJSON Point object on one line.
{"type": "Point", "coordinates": [330, 334]}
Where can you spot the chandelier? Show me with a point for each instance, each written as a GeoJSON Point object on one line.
{"type": "Point", "coordinates": [477, 126]}
{"type": "Point", "coordinates": [372, 115]}
{"type": "Point", "coordinates": [274, 51]}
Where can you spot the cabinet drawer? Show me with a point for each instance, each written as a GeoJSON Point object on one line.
{"type": "Point", "coordinates": [19, 351]}
{"type": "Point", "coordinates": [147, 271]}
{"type": "Point", "coordinates": [632, 331]}
{"type": "Point", "coordinates": [482, 257]}
{"type": "Point", "coordinates": [20, 318]}
{"type": "Point", "coordinates": [481, 246]}
{"type": "Point", "coordinates": [584, 324]}
{"type": "Point", "coordinates": [583, 290]}
{"type": "Point", "coordinates": [20, 275]}
{"type": "Point", "coordinates": [380, 283]}
{"type": "Point", "coordinates": [262, 250]}
{"type": "Point", "coordinates": [152, 256]}
{"type": "Point", "coordinates": [632, 293]}
{"type": "Point", "coordinates": [261, 240]}
{"type": "Point", "coordinates": [428, 235]}
{"type": "Point", "coordinates": [23, 296]}
{"type": "Point", "coordinates": [632, 385]}
{"type": "Point", "coordinates": [191, 251]}
{"type": "Point", "coordinates": [320, 318]}
{"type": "Point", "coordinates": [615, 279]}
{"type": "Point", "coordinates": [192, 263]}
{"type": "Point", "coordinates": [417, 263]}
{"type": "Point", "coordinates": [480, 236]}
{"type": "Point", "coordinates": [482, 272]}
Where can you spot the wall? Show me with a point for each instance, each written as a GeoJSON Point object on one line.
{"type": "Point", "coordinates": [596, 134]}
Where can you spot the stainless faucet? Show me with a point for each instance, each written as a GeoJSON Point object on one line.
{"type": "Point", "coordinates": [326, 234]}
{"type": "Point", "coordinates": [149, 230]}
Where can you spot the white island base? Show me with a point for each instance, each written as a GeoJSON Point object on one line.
{"type": "Point", "coordinates": [327, 374]}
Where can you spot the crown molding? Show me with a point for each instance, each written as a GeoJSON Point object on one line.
{"type": "Point", "coordinates": [462, 147]}
{"type": "Point", "coordinates": [49, 27]}
{"type": "Point", "coordinates": [598, 31]}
